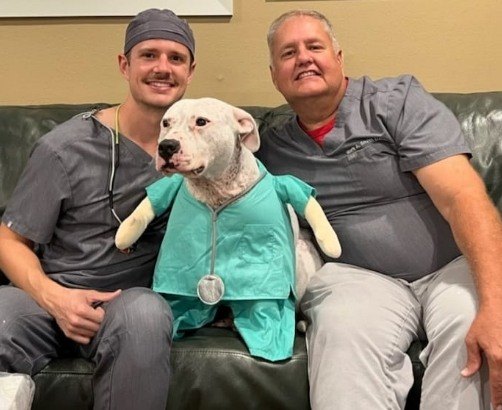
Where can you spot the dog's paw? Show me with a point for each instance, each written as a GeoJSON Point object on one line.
{"type": "Point", "coordinates": [301, 326]}
{"type": "Point", "coordinates": [225, 323]}
{"type": "Point", "coordinates": [328, 242]}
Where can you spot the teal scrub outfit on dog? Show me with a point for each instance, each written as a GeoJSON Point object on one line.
{"type": "Point", "coordinates": [254, 256]}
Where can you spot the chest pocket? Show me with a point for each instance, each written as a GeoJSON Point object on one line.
{"type": "Point", "coordinates": [374, 169]}
{"type": "Point", "coordinates": [263, 267]}
{"type": "Point", "coordinates": [258, 244]}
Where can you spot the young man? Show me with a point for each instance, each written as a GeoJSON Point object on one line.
{"type": "Point", "coordinates": [78, 294]}
{"type": "Point", "coordinates": [391, 168]}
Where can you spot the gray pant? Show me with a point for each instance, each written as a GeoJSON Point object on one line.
{"type": "Point", "coordinates": [130, 351]}
{"type": "Point", "coordinates": [361, 323]}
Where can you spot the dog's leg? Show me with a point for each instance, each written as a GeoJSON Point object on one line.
{"type": "Point", "coordinates": [308, 262]}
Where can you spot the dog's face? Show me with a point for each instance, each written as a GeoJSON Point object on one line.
{"type": "Point", "coordinates": [203, 137]}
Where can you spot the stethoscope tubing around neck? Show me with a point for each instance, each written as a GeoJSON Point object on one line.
{"type": "Point", "coordinates": [214, 216]}
{"type": "Point", "coordinates": [114, 163]}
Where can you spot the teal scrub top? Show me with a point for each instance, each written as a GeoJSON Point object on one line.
{"type": "Point", "coordinates": [254, 240]}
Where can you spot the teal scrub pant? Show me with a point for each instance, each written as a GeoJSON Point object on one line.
{"type": "Point", "coordinates": [267, 326]}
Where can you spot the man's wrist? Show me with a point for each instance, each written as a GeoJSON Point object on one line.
{"type": "Point", "coordinates": [47, 293]}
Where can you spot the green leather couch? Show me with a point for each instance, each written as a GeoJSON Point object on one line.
{"type": "Point", "coordinates": [211, 367]}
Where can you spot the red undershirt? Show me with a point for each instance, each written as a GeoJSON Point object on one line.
{"type": "Point", "coordinates": [319, 133]}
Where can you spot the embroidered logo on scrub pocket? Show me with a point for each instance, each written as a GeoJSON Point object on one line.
{"type": "Point", "coordinates": [352, 151]}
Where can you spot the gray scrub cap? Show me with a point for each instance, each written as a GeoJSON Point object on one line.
{"type": "Point", "coordinates": [158, 24]}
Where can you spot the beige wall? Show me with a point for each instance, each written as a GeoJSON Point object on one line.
{"type": "Point", "coordinates": [450, 45]}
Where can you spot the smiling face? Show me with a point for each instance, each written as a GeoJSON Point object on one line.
{"type": "Point", "coordinates": [158, 72]}
{"type": "Point", "coordinates": [304, 62]}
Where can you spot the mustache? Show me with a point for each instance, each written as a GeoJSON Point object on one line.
{"type": "Point", "coordinates": [160, 76]}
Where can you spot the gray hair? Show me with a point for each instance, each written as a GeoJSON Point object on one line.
{"type": "Point", "coordinates": [295, 13]}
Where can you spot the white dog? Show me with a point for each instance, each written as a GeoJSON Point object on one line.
{"type": "Point", "coordinates": [229, 239]}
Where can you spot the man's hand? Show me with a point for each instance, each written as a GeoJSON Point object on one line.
{"type": "Point", "coordinates": [77, 314]}
{"type": "Point", "coordinates": [75, 310]}
{"type": "Point", "coordinates": [485, 336]}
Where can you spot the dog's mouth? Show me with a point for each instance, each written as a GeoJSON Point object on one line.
{"type": "Point", "coordinates": [198, 171]}
{"type": "Point", "coordinates": [179, 163]}
{"type": "Point", "coordinates": [170, 168]}
{"type": "Point", "coordinates": [195, 172]}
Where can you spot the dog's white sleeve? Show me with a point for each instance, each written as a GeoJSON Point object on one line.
{"type": "Point", "coordinates": [134, 225]}
{"type": "Point", "coordinates": [323, 231]}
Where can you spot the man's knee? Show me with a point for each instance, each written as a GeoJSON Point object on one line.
{"type": "Point", "coordinates": [452, 312]}
{"type": "Point", "coordinates": [140, 311]}
{"type": "Point", "coordinates": [335, 323]}
{"type": "Point", "coordinates": [19, 316]}
{"type": "Point", "coordinates": [452, 325]}
{"type": "Point", "coordinates": [138, 329]}
{"type": "Point", "coordinates": [12, 355]}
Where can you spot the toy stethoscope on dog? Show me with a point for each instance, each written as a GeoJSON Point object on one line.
{"type": "Point", "coordinates": [210, 288]}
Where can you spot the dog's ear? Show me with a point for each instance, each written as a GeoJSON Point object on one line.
{"type": "Point", "coordinates": [248, 130]}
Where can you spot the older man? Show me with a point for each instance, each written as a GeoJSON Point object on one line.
{"type": "Point", "coordinates": [391, 168]}
{"type": "Point", "coordinates": [77, 294]}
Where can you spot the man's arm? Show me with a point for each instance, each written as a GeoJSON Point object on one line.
{"type": "Point", "coordinates": [460, 195]}
{"type": "Point", "coordinates": [72, 308]}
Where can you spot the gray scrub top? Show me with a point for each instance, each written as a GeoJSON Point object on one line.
{"type": "Point", "coordinates": [384, 129]}
{"type": "Point", "coordinates": [61, 204]}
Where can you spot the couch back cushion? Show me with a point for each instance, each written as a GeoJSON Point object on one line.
{"type": "Point", "coordinates": [480, 116]}
{"type": "Point", "coordinates": [20, 127]}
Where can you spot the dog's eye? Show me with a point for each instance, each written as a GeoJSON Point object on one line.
{"type": "Point", "coordinates": [165, 123]}
{"type": "Point", "coordinates": [200, 121]}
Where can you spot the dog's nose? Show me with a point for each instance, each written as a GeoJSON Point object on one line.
{"type": "Point", "coordinates": [167, 148]}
